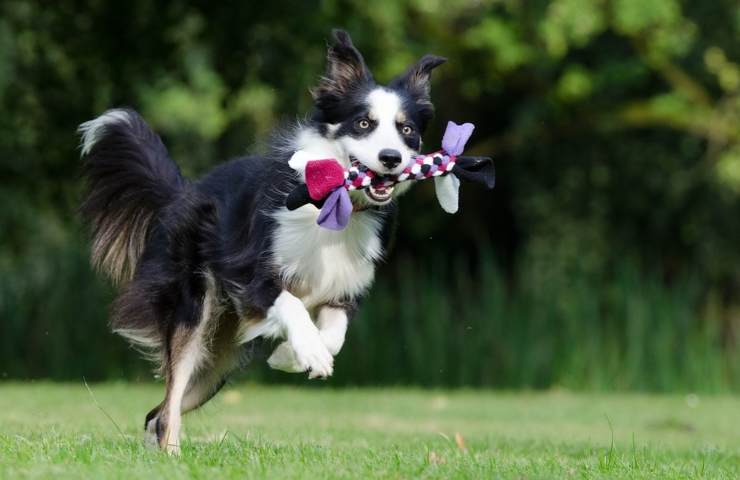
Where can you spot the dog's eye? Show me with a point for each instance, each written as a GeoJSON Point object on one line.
{"type": "Point", "coordinates": [407, 130]}
{"type": "Point", "coordinates": [363, 123]}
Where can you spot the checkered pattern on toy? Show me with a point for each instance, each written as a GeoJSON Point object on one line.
{"type": "Point", "coordinates": [358, 176]}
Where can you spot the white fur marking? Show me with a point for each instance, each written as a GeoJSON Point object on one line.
{"type": "Point", "coordinates": [323, 265]}
{"type": "Point", "coordinates": [289, 318]}
{"type": "Point", "coordinates": [150, 434]}
{"type": "Point", "coordinates": [332, 324]}
{"type": "Point", "coordinates": [309, 145]}
{"type": "Point", "coordinates": [385, 108]}
{"type": "Point", "coordinates": [283, 358]}
{"type": "Point", "coordinates": [146, 338]}
{"type": "Point", "coordinates": [187, 363]}
{"type": "Point", "coordinates": [184, 368]}
{"type": "Point", "coordinates": [384, 105]}
{"type": "Point", "coordinates": [92, 131]}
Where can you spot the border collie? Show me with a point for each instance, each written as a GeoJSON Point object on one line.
{"type": "Point", "coordinates": [208, 267]}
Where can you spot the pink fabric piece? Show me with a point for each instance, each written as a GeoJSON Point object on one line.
{"type": "Point", "coordinates": [323, 176]}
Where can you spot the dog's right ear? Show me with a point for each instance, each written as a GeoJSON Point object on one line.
{"type": "Point", "coordinates": [417, 79]}
{"type": "Point", "coordinates": [345, 68]}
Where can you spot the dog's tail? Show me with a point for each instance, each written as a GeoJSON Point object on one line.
{"type": "Point", "coordinates": [130, 178]}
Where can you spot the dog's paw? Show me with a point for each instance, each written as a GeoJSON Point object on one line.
{"type": "Point", "coordinates": [284, 359]}
{"type": "Point", "coordinates": [172, 449]}
{"type": "Point", "coordinates": [311, 354]}
{"type": "Point", "coordinates": [150, 434]}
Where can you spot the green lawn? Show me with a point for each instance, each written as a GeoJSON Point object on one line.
{"type": "Point", "coordinates": [54, 430]}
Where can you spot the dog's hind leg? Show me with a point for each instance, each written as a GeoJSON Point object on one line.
{"type": "Point", "coordinates": [223, 357]}
{"type": "Point", "coordinates": [184, 355]}
{"type": "Point", "coordinates": [202, 386]}
{"type": "Point", "coordinates": [206, 384]}
{"type": "Point", "coordinates": [150, 425]}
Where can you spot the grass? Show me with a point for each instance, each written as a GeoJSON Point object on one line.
{"type": "Point", "coordinates": [57, 430]}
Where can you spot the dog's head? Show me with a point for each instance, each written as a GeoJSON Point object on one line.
{"type": "Point", "coordinates": [379, 126]}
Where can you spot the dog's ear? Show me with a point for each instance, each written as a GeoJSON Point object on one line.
{"type": "Point", "coordinates": [345, 68]}
{"type": "Point", "coordinates": [417, 79]}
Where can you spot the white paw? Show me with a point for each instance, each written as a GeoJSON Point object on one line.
{"type": "Point", "coordinates": [171, 441]}
{"type": "Point", "coordinates": [283, 358]}
{"type": "Point", "coordinates": [173, 449]}
{"type": "Point", "coordinates": [311, 354]}
{"type": "Point", "coordinates": [150, 435]}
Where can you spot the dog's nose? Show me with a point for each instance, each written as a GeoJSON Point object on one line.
{"type": "Point", "coordinates": [389, 158]}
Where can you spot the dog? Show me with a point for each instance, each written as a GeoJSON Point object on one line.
{"type": "Point", "coordinates": [209, 268]}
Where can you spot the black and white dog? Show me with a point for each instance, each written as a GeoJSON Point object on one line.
{"type": "Point", "coordinates": [207, 267]}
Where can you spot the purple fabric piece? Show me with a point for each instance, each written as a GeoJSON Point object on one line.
{"type": "Point", "coordinates": [337, 208]}
{"type": "Point", "coordinates": [455, 137]}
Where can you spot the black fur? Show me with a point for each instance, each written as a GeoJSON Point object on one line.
{"type": "Point", "coordinates": [130, 179]}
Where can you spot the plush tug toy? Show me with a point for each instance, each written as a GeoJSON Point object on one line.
{"type": "Point", "coordinates": [328, 183]}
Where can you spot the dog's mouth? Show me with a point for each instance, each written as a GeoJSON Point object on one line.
{"type": "Point", "coordinates": [379, 195]}
{"type": "Point", "coordinates": [376, 194]}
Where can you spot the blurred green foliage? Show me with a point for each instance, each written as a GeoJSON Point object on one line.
{"type": "Point", "coordinates": [607, 256]}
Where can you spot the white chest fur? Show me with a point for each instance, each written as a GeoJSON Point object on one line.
{"type": "Point", "coordinates": [322, 265]}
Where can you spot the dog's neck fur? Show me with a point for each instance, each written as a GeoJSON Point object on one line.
{"type": "Point", "coordinates": [324, 266]}
{"type": "Point", "coordinates": [320, 265]}
{"type": "Point", "coordinates": [310, 139]}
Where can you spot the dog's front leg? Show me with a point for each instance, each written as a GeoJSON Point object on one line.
{"type": "Point", "coordinates": [332, 327]}
{"type": "Point", "coordinates": [289, 318]}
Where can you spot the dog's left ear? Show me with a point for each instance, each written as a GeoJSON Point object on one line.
{"type": "Point", "coordinates": [417, 79]}
{"type": "Point", "coordinates": [345, 68]}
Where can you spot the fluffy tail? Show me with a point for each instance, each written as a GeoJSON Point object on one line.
{"type": "Point", "coordinates": [130, 178]}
